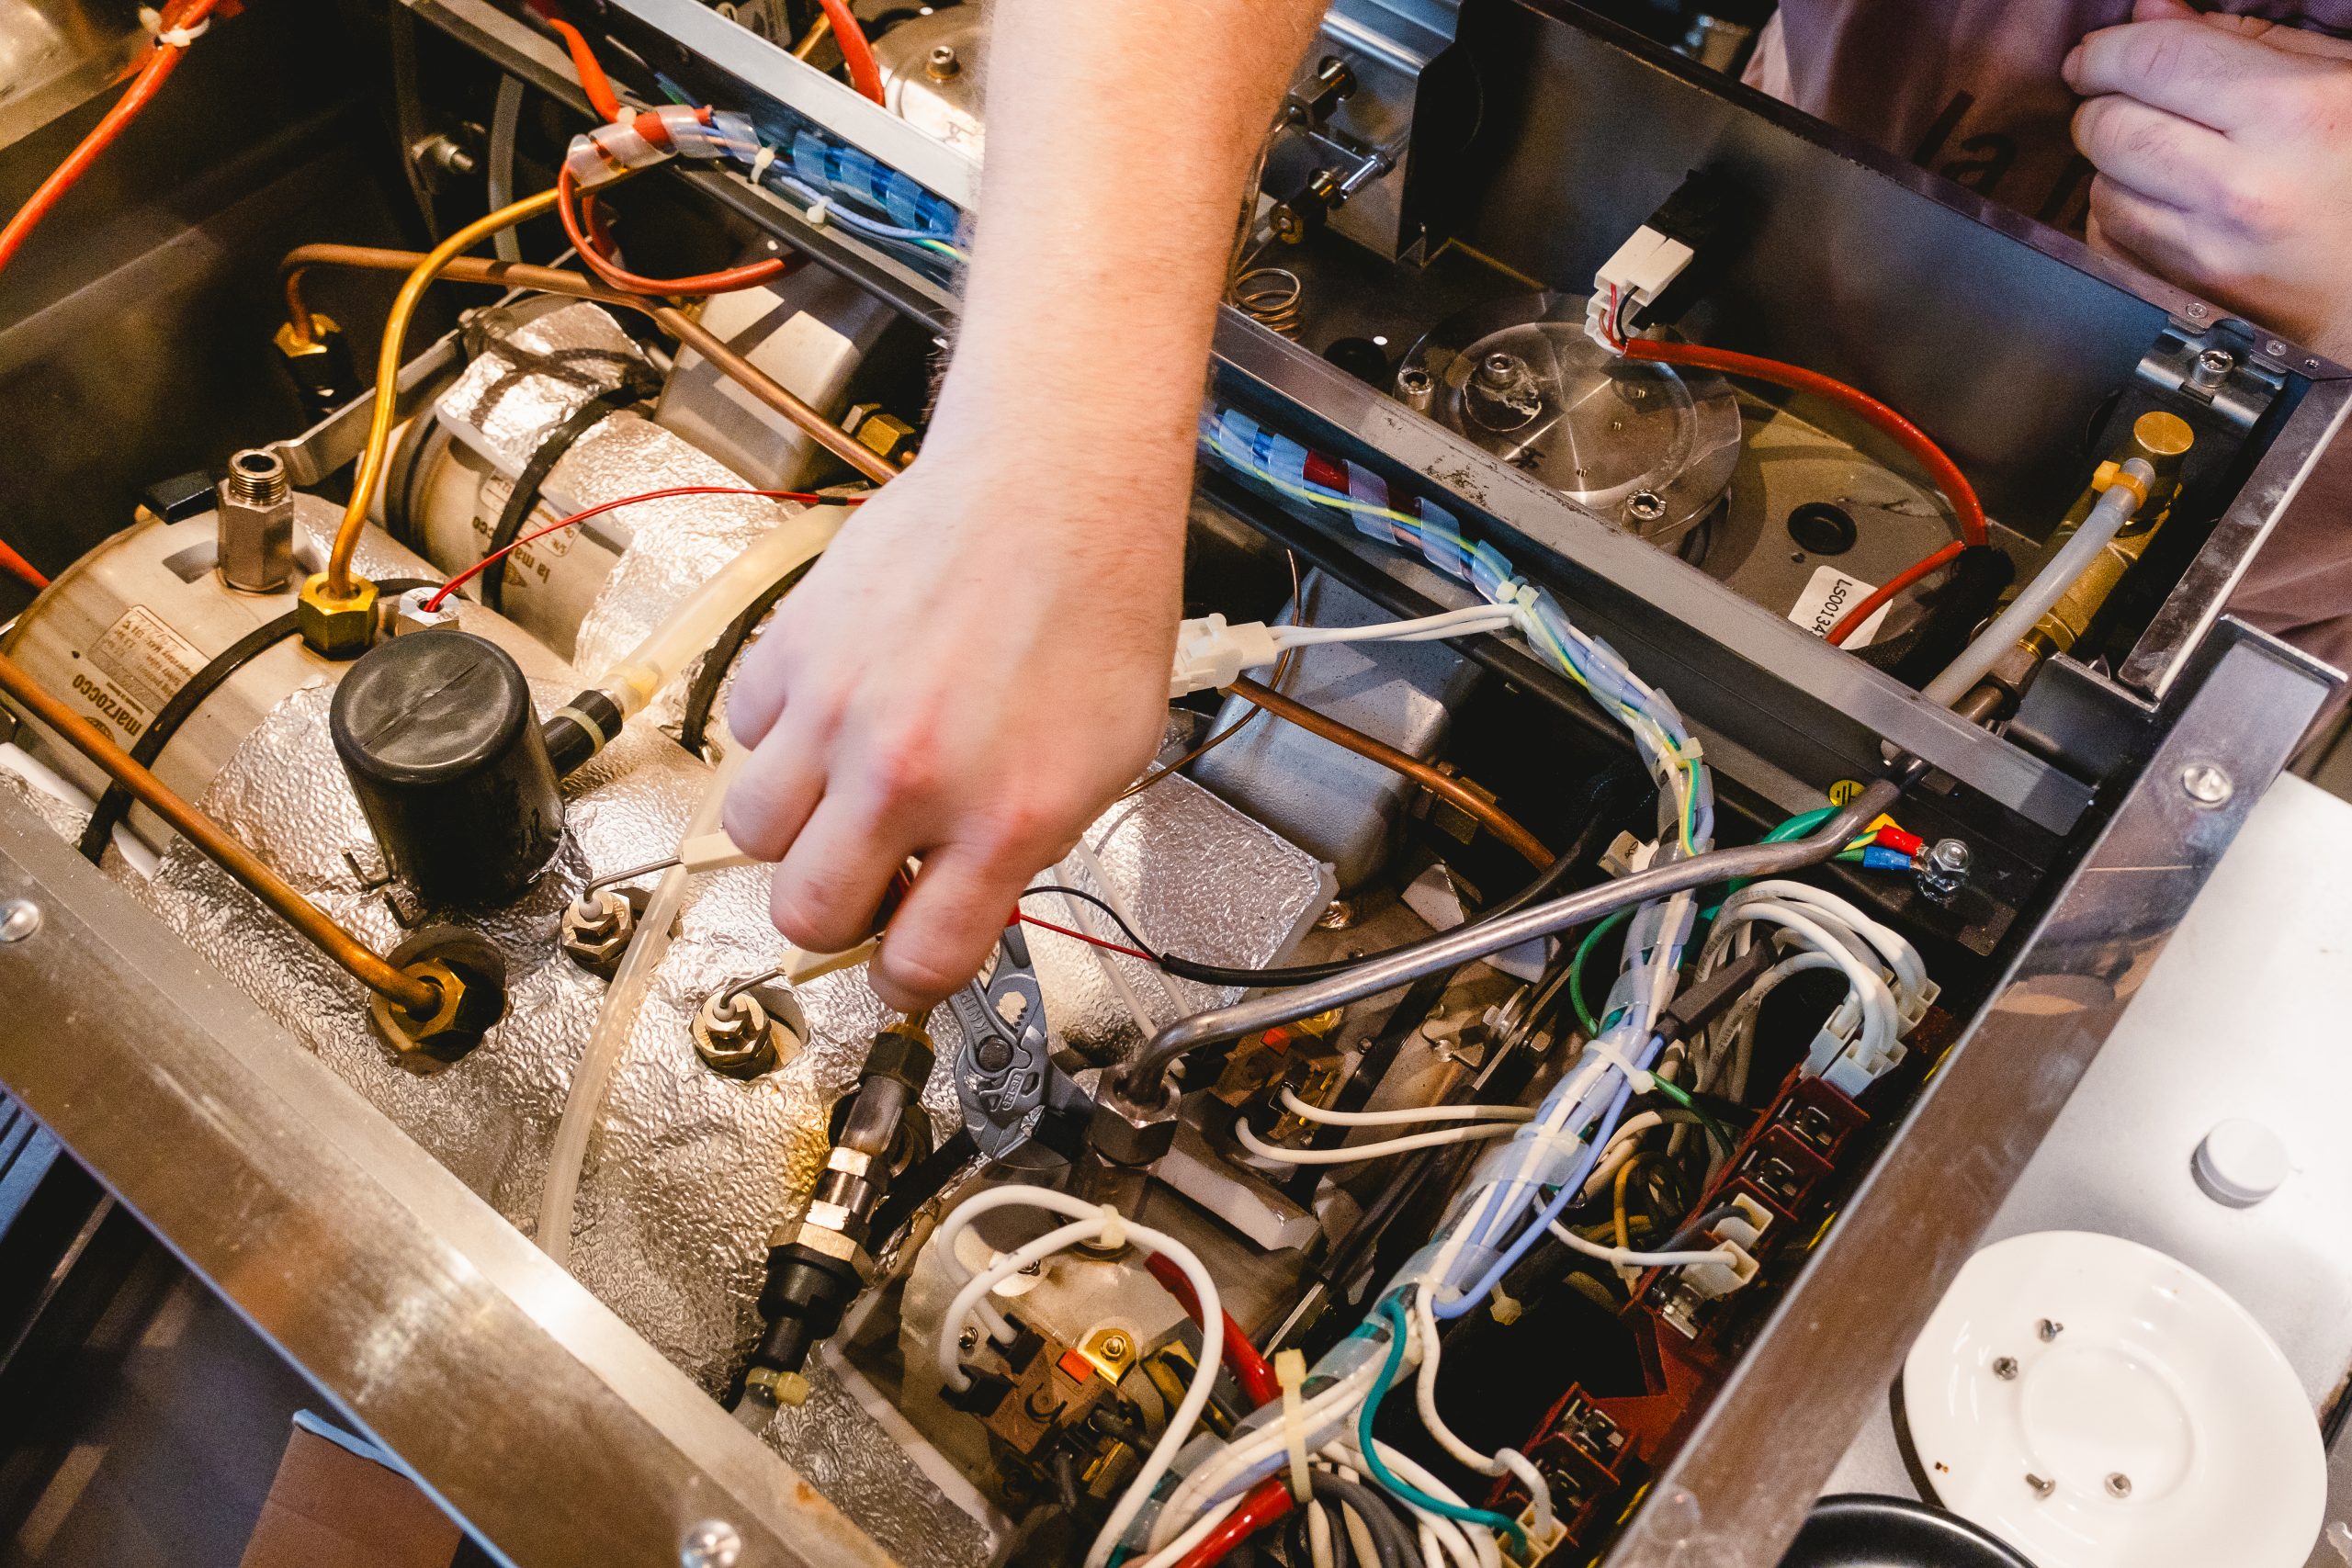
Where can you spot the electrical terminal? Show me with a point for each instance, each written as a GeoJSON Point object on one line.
{"type": "Point", "coordinates": [1642, 268]}
{"type": "Point", "coordinates": [1212, 653]}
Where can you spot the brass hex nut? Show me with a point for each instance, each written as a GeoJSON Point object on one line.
{"type": "Point", "coordinates": [1119, 1129]}
{"type": "Point", "coordinates": [469, 974]}
{"type": "Point", "coordinates": [336, 627]}
{"type": "Point", "coordinates": [900, 1052]}
{"type": "Point", "coordinates": [596, 931]}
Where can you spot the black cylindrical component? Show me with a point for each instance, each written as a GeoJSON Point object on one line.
{"type": "Point", "coordinates": [806, 1294]}
{"type": "Point", "coordinates": [580, 729]}
{"type": "Point", "coordinates": [437, 732]}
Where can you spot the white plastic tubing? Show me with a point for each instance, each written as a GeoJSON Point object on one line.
{"type": "Point", "coordinates": [2116, 505]}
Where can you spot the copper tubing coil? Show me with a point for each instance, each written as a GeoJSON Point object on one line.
{"type": "Point", "coordinates": [555, 280]}
{"type": "Point", "coordinates": [412, 994]}
{"type": "Point", "coordinates": [1438, 782]}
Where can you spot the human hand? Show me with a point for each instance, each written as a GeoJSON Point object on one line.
{"type": "Point", "coordinates": [969, 674]}
{"type": "Point", "coordinates": [2224, 151]}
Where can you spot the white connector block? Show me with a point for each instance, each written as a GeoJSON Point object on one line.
{"type": "Point", "coordinates": [1737, 1269]}
{"type": "Point", "coordinates": [1913, 1011]}
{"type": "Point", "coordinates": [1210, 653]}
{"type": "Point", "coordinates": [1642, 268]}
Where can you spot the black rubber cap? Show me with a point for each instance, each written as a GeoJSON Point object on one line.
{"type": "Point", "coordinates": [436, 733]}
{"type": "Point", "coordinates": [1859, 1531]}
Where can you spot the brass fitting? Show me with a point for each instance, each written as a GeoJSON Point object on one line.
{"type": "Point", "coordinates": [885, 434]}
{"type": "Point", "coordinates": [334, 627]}
{"type": "Point", "coordinates": [468, 977]}
{"type": "Point", "coordinates": [319, 364]}
{"type": "Point", "coordinates": [776, 1387]}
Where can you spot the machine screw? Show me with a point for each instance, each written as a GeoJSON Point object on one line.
{"type": "Point", "coordinates": [714, 1543]}
{"type": "Point", "coordinates": [943, 63]}
{"type": "Point", "coordinates": [19, 918]}
{"type": "Point", "coordinates": [2212, 369]}
{"type": "Point", "coordinates": [1115, 1346]}
{"type": "Point", "coordinates": [2274, 347]}
{"type": "Point", "coordinates": [2040, 1488]}
{"type": "Point", "coordinates": [1645, 506]}
{"type": "Point", "coordinates": [2050, 1328]}
{"type": "Point", "coordinates": [2118, 1485]}
{"type": "Point", "coordinates": [2198, 310]}
{"type": "Point", "coordinates": [2005, 1367]}
{"type": "Point", "coordinates": [1943, 870]}
{"type": "Point", "coordinates": [1499, 369]}
{"type": "Point", "coordinates": [1337, 916]}
{"type": "Point", "coordinates": [2207, 784]}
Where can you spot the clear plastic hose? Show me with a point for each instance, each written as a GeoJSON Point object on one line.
{"type": "Point", "coordinates": [505, 124]}
{"type": "Point", "coordinates": [622, 998]}
{"type": "Point", "coordinates": [727, 594]}
{"type": "Point", "coordinates": [2116, 505]}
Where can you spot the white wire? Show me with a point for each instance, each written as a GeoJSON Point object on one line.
{"type": "Point", "coordinates": [1403, 1116]}
{"type": "Point", "coordinates": [1427, 629]}
{"type": "Point", "coordinates": [1233, 1464]}
{"type": "Point", "coordinates": [1502, 1461]}
{"type": "Point", "coordinates": [1628, 1258]}
{"type": "Point", "coordinates": [1619, 1149]}
{"type": "Point", "coordinates": [1175, 1551]}
{"type": "Point", "coordinates": [1351, 1154]}
{"type": "Point", "coordinates": [1091, 1219]}
{"type": "Point", "coordinates": [1318, 1537]}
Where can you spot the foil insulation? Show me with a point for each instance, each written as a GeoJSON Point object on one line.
{"type": "Point", "coordinates": [527, 381]}
{"type": "Point", "coordinates": [689, 1172]}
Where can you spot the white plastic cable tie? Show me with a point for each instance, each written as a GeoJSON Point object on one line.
{"type": "Point", "coordinates": [1114, 1233]}
{"type": "Point", "coordinates": [1640, 1077]}
{"type": "Point", "coordinates": [817, 212]}
{"type": "Point", "coordinates": [1290, 1372]}
{"type": "Point", "coordinates": [173, 38]}
{"type": "Point", "coordinates": [761, 160]}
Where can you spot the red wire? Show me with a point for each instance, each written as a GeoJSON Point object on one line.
{"type": "Point", "coordinates": [765, 270]}
{"type": "Point", "coordinates": [1249, 1368]}
{"type": "Point", "coordinates": [864, 74]}
{"type": "Point", "coordinates": [157, 68]}
{"type": "Point", "coordinates": [1942, 468]}
{"type": "Point", "coordinates": [593, 80]}
{"type": "Point", "coordinates": [1270, 1502]}
{"type": "Point", "coordinates": [498, 555]}
{"type": "Point", "coordinates": [17, 566]}
{"type": "Point", "coordinates": [1853, 618]}
{"type": "Point", "coordinates": [1090, 940]}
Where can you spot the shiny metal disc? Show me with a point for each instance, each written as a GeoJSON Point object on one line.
{"type": "Point", "coordinates": [1647, 446]}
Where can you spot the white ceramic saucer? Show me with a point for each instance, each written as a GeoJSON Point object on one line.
{"type": "Point", "coordinates": [2098, 1405]}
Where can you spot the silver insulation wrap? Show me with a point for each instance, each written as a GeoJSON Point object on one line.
{"type": "Point", "coordinates": [690, 1172]}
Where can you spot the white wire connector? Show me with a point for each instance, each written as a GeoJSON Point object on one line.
{"type": "Point", "coordinates": [1211, 653]}
{"type": "Point", "coordinates": [1639, 272]}
{"type": "Point", "coordinates": [171, 38]}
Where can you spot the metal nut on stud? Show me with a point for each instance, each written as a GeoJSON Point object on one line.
{"type": "Point", "coordinates": [731, 1035]}
{"type": "Point", "coordinates": [410, 613]}
{"type": "Point", "coordinates": [2049, 1329]}
{"type": "Point", "coordinates": [596, 930]}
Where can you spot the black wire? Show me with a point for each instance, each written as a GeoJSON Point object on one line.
{"type": "Point", "coordinates": [115, 804]}
{"type": "Point", "coordinates": [491, 586]}
{"type": "Point", "coordinates": [704, 695]}
{"type": "Point", "coordinates": [1395, 1546]}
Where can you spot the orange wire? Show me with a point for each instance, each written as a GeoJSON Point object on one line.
{"type": "Point", "coordinates": [17, 566]}
{"type": "Point", "coordinates": [584, 237]}
{"type": "Point", "coordinates": [593, 80]}
{"type": "Point", "coordinates": [856, 54]}
{"type": "Point", "coordinates": [152, 73]}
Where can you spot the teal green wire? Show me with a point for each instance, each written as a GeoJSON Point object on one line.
{"type": "Point", "coordinates": [1576, 970]}
{"type": "Point", "coordinates": [1393, 1313]}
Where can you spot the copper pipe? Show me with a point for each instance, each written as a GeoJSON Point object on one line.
{"type": "Point", "coordinates": [556, 281]}
{"type": "Point", "coordinates": [1438, 782]}
{"type": "Point", "coordinates": [410, 993]}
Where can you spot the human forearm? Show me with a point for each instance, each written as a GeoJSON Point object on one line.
{"type": "Point", "coordinates": [1120, 134]}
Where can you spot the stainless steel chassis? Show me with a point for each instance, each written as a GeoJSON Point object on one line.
{"type": "Point", "coordinates": [558, 1435]}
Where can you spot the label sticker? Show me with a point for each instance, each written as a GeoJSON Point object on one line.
{"type": "Point", "coordinates": [145, 657]}
{"type": "Point", "coordinates": [1827, 599]}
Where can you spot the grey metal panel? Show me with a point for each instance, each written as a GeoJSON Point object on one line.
{"type": "Point", "coordinates": [769, 69]}
{"type": "Point", "coordinates": [2117, 1160]}
{"type": "Point", "coordinates": [2274, 486]}
{"type": "Point", "coordinates": [1783, 1418]}
{"type": "Point", "coordinates": [1731, 665]}
{"type": "Point", "coordinates": [520, 1401]}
